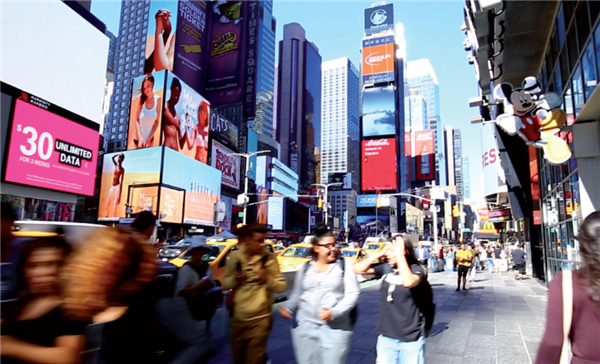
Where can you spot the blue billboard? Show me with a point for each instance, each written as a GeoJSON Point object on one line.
{"type": "Point", "coordinates": [276, 212]}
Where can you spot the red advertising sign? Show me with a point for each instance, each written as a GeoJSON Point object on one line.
{"type": "Point", "coordinates": [425, 154]}
{"type": "Point", "coordinates": [379, 170]}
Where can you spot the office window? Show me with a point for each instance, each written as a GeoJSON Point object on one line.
{"type": "Point", "coordinates": [589, 70]}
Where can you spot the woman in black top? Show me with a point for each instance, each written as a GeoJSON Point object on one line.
{"type": "Point", "coordinates": [37, 331]}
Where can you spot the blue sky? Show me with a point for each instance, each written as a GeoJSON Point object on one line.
{"type": "Point", "coordinates": [432, 30]}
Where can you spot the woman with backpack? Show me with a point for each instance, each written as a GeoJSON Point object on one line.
{"type": "Point", "coordinates": [323, 300]}
{"type": "Point", "coordinates": [406, 304]}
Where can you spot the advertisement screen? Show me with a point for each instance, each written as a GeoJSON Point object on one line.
{"type": "Point", "coordinates": [160, 39]}
{"type": "Point", "coordinates": [345, 180]}
{"type": "Point", "coordinates": [262, 208]}
{"type": "Point", "coordinates": [494, 180]}
{"type": "Point", "coordinates": [223, 128]}
{"type": "Point", "coordinates": [276, 212]}
{"type": "Point", "coordinates": [145, 112]}
{"type": "Point", "coordinates": [143, 198]}
{"type": "Point", "coordinates": [228, 165]}
{"type": "Point", "coordinates": [226, 223]}
{"type": "Point", "coordinates": [379, 164]}
{"type": "Point", "coordinates": [186, 119]}
{"type": "Point", "coordinates": [190, 43]}
{"type": "Point", "coordinates": [50, 151]}
{"type": "Point", "coordinates": [225, 51]}
{"type": "Point", "coordinates": [379, 18]}
{"type": "Point", "coordinates": [171, 205]}
{"type": "Point", "coordinates": [378, 60]}
{"type": "Point", "coordinates": [119, 172]}
{"type": "Point", "coordinates": [424, 142]}
{"type": "Point", "coordinates": [379, 111]}
{"type": "Point", "coordinates": [201, 182]}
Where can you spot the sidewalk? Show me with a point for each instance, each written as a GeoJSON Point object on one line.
{"type": "Point", "coordinates": [498, 320]}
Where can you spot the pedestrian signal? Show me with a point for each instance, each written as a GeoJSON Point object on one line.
{"type": "Point", "coordinates": [455, 211]}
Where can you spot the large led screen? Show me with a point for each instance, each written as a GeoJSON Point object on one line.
{"type": "Point", "coordinates": [122, 173]}
{"type": "Point", "coordinates": [160, 39]}
{"type": "Point", "coordinates": [275, 217]}
{"type": "Point", "coordinates": [422, 148]}
{"type": "Point", "coordinates": [379, 18]}
{"type": "Point", "coordinates": [379, 171]}
{"type": "Point", "coordinates": [50, 151]}
{"type": "Point", "coordinates": [171, 205]}
{"type": "Point", "coordinates": [378, 60]}
{"type": "Point", "coordinates": [201, 182]}
{"type": "Point", "coordinates": [145, 112]}
{"type": "Point", "coordinates": [228, 165]}
{"type": "Point", "coordinates": [379, 111]}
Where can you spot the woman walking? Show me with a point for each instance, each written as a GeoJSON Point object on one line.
{"type": "Point", "coordinates": [324, 295]}
{"type": "Point", "coordinates": [584, 296]}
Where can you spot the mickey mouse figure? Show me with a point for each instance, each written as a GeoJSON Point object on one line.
{"type": "Point", "coordinates": [534, 116]}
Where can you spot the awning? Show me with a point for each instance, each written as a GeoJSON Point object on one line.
{"type": "Point", "coordinates": [487, 236]}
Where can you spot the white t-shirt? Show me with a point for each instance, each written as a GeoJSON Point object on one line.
{"type": "Point", "coordinates": [187, 277]}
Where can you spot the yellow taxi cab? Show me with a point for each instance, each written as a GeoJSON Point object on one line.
{"type": "Point", "coordinates": [353, 254]}
{"type": "Point", "coordinates": [292, 258]}
{"type": "Point", "coordinates": [278, 249]}
{"type": "Point", "coordinates": [373, 248]}
{"type": "Point", "coordinates": [216, 256]}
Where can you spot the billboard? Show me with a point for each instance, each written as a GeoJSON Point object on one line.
{"type": "Point", "coordinates": [378, 59]}
{"type": "Point", "coordinates": [371, 200]}
{"type": "Point", "coordinates": [379, 18]}
{"type": "Point", "coordinates": [344, 178]}
{"type": "Point", "coordinates": [171, 204]}
{"type": "Point", "coordinates": [47, 150]}
{"type": "Point", "coordinates": [202, 185]}
{"type": "Point", "coordinates": [160, 38]}
{"type": "Point", "coordinates": [379, 111]}
{"type": "Point", "coordinates": [275, 217]}
{"type": "Point", "coordinates": [378, 166]}
{"type": "Point", "coordinates": [223, 129]}
{"type": "Point", "coordinates": [424, 148]}
{"type": "Point", "coordinates": [262, 207]}
{"type": "Point", "coordinates": [121, 171]}
{"type": "Point", "coordinates": [145, 111]}
{"type": "Point", "coordinates": [226, 223]}
{"type": "Point", "coordinates": [494, 180]}
{"type": "Point", "coordinates": [228, 165]}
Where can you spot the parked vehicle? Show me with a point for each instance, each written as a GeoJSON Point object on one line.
{"type": "Point", "coordinates": [294, 256]}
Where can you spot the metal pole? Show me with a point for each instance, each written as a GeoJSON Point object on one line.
{"type": "Point", "coordinates": [377, 215]}
{"type": "Point", "coordinates": [435, 220]}
{"type": "Point", "coordinates": [246, 188]}
{"type": "Point", "coordinates": [326, 206]}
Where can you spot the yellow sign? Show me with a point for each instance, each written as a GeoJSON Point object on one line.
{"type": "Point", "coordinates": [488, 228]}
{"type": "Point", "coordinates": [455, 211]}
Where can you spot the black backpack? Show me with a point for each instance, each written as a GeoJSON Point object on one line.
{"type": "Point", "coordinates": [354, 311]}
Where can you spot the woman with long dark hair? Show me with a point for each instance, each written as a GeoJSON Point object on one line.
{"type": "Point", "coordinates": [146, 114]}
{"type": "Point", "coordinates": [325, 292]}
{"type": "Point", "coordinates": [585, 297]}
{"type": "Point", "coordinates": [37, 331]}
{"type": "Point", "coordinates": [406, 303]}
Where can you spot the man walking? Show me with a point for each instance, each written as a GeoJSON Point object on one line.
{"type": "Point", "coordinates": [519, 256]}
{"type": "Point", "coordinates": [423, 254]}
{"type": "Point", "coordinates": [464, 258]}
{"type": "Point", "coordinates": [253, 275]}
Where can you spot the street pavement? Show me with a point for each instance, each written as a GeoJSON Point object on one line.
{"type": "Point", "coordinates": [497, 320]}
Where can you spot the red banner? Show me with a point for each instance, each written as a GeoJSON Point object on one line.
{"type": "Point", "coordinates": [379, 170]}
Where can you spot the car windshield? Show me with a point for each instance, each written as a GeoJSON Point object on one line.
{"type": "Point", "coordinates": [372, 246]}
{"type": "Point", "coordinates": [348, 253]}
{"type": "Point", "coordinates": [184, 242]}
{"type": "Point", "coordinates": [212, 254]}
{"type": "Point", "coordinates": [297, 252]}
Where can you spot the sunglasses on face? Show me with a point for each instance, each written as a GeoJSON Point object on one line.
{"type": "Point", "coordinates": [327, 246]}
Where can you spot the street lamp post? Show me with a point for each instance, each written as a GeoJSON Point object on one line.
{"type": "Point", "coordinates": [326, 199]}
{"type": "Point", "coordinates": [247, 156]}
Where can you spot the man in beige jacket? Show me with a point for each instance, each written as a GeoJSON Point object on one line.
{"type": "Point", "coordinates": [253, 273]}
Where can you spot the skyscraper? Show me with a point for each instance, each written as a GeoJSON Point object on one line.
{"type": "Point", "coordinates": [453, 153]}
{"type": "Point", "coordinates": [299, 103]}
{"type": "Point", "coordinates": [466, 177]}
{"type": "Point", "coordinates": [422, 80]}
{"type": "Point", "coordinates": [275, 94]}
{"type": "Point", "coordinates": [416, 108]}
{"type": "Point", "coordinates": [340, 147]}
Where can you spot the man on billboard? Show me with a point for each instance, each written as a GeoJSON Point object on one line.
{"type": "Point", "coordinates": [114, 193]}
{"type": "Point", "coordinates": [164, 43]}
{"type": "Point", "coordinates": [171, 128]}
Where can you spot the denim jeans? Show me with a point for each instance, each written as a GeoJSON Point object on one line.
{"type": "Point", "coordinates": [490, 264]}
{"type": "Point", "coordinates": [393, 351]}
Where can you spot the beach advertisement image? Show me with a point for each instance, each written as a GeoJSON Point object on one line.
{"type": "Point", "coordinates": [160, 39]}
{"type": "Point", "coordinates": [145, 112]}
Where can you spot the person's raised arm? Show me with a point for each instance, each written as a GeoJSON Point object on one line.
{"type": "Point", "coordinates": [365, 266]}
{"type": "Point", "coordinates": [409, 279]}
{"type": "Point", "coordinates": [65, 350]}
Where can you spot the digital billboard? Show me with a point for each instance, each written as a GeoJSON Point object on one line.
{"type": "Point", "coordinates": [186, 120]}
{"type": "Point", "coordinates": [223, 129]}
{"type": "Point", "coordinates": [226, 223]}
{"type": "Point", "coordinates": [228, 165]}
{"type": "Point", "coordinates": [47, 150]}
{"type": "Point", "coordinates": [201, 182]}
{"type": "Point", "coordinates": [160, 38]}
{"type": "Point", "coordinates": [119, 172]}
{"type": "Point", "coordinates": [425, 154]}
{"type": "Point", "coordinates": [145, 112]}
{"type": "Point", "coordinates": [379, 171]}
{"type": "Point", "coordinates": [379, 111]}
{"type": "Point", "coordinates": [171, 205]}
{"type": "Point", "coordinates": [379, 18]}
{"type": "Point", "coordinates": [262, 208]}
{"type": "Point", "coordinates": [344, 178]}
{"type": "Point", "coordinates": [143, 198]}
{"type": "Point", "coordinates": [275, 218]}
{"type": "Point", "coordinates": [378, 58]}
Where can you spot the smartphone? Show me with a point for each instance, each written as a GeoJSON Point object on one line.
{"type": "Point", "coordinates": [238, 266]}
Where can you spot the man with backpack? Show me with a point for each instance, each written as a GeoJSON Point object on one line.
{"type": "Point", "coordinates": [406, 305]}
{"type": "Point", "coordinates": [252, 273]}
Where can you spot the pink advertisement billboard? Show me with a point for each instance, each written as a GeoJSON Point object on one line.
{"type": "Point", "coordinates": [49, 151]}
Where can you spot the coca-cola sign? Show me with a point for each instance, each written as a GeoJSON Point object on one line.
{"type": "Point", "coordinates": [379, 167]}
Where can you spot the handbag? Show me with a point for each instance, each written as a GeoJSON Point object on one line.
{"type": "Point", "coordinates": [567, 298]}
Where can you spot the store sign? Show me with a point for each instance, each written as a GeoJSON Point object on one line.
{"type": "Point", "coordinates": [499, 215]}
{"type": "Point", "coordinates": [488, 228]}
{"type": "Point", "coordinates": [379, 18]}
{"type": "Point", "coordinates": [378, 60]}
{"type": "Point", "coordinates": [494, 180]}
{"type": "Point", "coordinates": [535, 117]}
{"type": "Point", "coordinates": [229, 165]}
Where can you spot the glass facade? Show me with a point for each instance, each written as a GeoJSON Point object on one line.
{"type": "Point", "coordinates": [572, 65]}
{"type": "Point", "coordinates": [265, 78]}
{"type": "Point", "coordinates": [458, 169]}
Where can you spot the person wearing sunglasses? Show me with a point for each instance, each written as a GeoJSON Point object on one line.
{"type": "Point", "coordinates": [323, 298]}
{"type": "Point", "coordinates": [406, 303]}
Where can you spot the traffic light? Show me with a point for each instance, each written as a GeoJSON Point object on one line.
{"type": "Point", "coordinates": [455, 211]}
{"type": "Point", "coordinates": [378, 204]}
{"type": "Point", "coordinates": [320, 203]}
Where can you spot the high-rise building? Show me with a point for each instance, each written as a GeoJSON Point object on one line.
{"type": "Point", "coordinates": [128, 63]}
{"type": "Point", "coordinates": [342, 201]}
{"type": "Point", "coordinates": [340, 146]}
{"type": "Point", "coordinates": [275, 94]}
{"type": "Point", "coordinates": [299, 103]}
{"type": "Point", "coordinates": [453, 153]}
{"type": "Point", "coordinates": [416, 111]}
{"type": "Point", "coordinates": [466, 177]}
{"type": "Point", "coordinates": [421, 79]}
{"type": "Point", "coordinates": [112, 50]}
